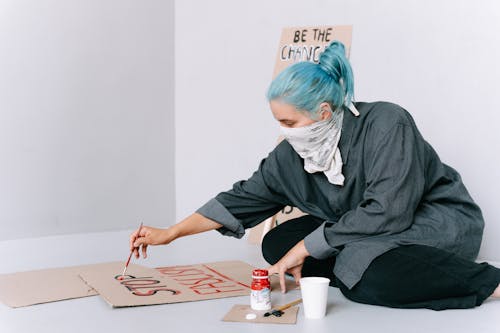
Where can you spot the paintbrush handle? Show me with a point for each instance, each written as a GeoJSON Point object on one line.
{"type": "Point", "coordinates": [128, 260]}
{"type": "Point", "coordinates": [130, 255]}
{"type": "Point", "coordinates": [286, 306]}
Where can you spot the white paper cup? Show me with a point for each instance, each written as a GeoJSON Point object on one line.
{"type": "Point", "coordinates": [314, 292]}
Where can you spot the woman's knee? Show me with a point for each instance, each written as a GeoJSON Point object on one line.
{"type": "Point", "coordinates": [269, 249]}
{"type": "Point", "coordinates": [279, 240]}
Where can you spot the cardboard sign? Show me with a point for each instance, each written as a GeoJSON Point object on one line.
{"type": "Point", "coordinates": [238, 313]}
{"type": "Point", "coordinates": [43, 286]}
{"type": "Point", "coordinates": [142, 285]}
{"type": "Point", "coordinates": [286, 214]}
{"type": "Point", "coordinates": [258, 232]}
{"type": "Point", "coordinates": [307, 43]}
{"type": "Point", "coordinates": [148, 286]}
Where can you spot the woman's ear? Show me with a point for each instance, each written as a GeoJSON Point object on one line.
{"type": "Point", "coordinates": [325, 111]}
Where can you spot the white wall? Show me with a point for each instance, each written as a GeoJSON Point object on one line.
{"type": "Point", "coordinates": [438, 59]}
{"type": "Point", "coordinates": [86, 115]}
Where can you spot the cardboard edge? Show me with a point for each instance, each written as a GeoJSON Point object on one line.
{"type": "Point", "coordinates": [16, 306]}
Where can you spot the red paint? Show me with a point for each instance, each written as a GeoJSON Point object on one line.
{"type": "Point", "coordinates": [260, 279]}
{"type": "Point", "coordinates": [133, 284]}
{"type": "Point", "coordinates": [201, 281]}
{"type": "Point", "coordinates": [226, 277]}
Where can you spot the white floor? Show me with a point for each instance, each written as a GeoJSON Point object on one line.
{"type": "Point", "coordinates": [92, 314]}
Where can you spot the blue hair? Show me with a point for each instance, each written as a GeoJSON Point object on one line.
{"type": "Point", "coordinates": [306, 85]}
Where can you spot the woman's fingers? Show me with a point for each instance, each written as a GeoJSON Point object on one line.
{"type": "Point", "coordinates": [282, 281]}
{"type": "Point", "coordinates": [296, 273]}
{"type": "Point", "coordinates": [133, 237]}
{"type": "Point", "coordinates": [137, 238]}
{"type": "Point", "coordinates": [292, 262]}
{"type": "Point", "coordinates": [140, 244]}
{"type": "Point", "coordinates": [136, 253]}
{"type": "Point", "coordinates": [280, 269]}
{"type": "Point", "coordinates": [141, 239]}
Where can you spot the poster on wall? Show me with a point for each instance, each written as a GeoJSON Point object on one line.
{"type": "Point", "coordinates": [300, 44]}
{"type": "Point", "coordinates": [307, 43]}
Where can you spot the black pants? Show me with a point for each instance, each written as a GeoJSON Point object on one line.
{"type": "Point", "coordinates": [411, 276]}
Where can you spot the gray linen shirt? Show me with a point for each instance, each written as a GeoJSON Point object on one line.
{"type": "Point", "coordinates": [396, 192]}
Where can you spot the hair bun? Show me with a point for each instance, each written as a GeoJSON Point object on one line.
{"type": "Point", "coordinates": [332, 59]}
{"type": "Point", "coordinates": [334, 62]}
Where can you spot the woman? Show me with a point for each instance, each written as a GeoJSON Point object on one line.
{"type": "Point", "coordinates": [388, 222]}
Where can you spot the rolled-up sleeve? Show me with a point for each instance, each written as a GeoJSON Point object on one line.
{"type": "Point", "coordinates": [395, 182]}
{"type": "Point", "coordinates": [248, 203]}
{"type": "Point", "coordinates": [214, 210]}
{"type": "Point", "coordinates": [317, 245]}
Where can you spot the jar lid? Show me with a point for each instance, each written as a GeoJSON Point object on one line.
{"type": "Point", "coordinates": [260, 273]}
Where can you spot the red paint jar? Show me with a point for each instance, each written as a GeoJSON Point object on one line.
{"type": "Point", "coordinates": [260, 296]}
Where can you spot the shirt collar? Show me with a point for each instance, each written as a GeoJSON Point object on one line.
{"type": "Point", "coordinates": [346, 134]}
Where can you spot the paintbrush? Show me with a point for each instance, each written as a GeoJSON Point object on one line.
{"type": "Point", "coordinates": [130, 255]}
{"type": "Point", "coordinates": [278, 312]}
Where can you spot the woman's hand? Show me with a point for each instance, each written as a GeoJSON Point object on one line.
{"type": "Point", "coordinates": [193, 224]}
{"type": "Point", "coordinates": [149, 236]}
{"type": "Point", "coordinates": [291, 263]}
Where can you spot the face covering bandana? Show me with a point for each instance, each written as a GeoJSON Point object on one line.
{"type": "Point", "coordinates": [318, 143]}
